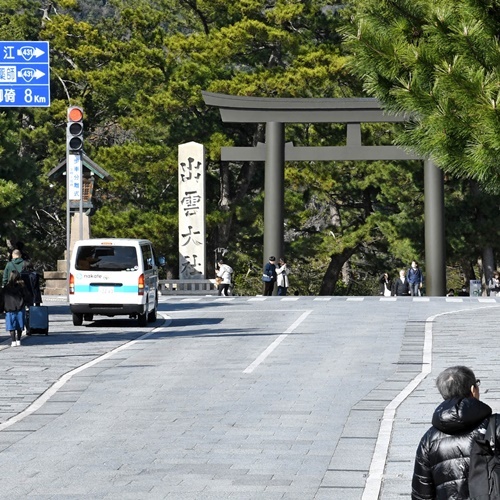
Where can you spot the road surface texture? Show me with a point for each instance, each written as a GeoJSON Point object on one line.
{"type": "Point", "coordinates": [290, 398]}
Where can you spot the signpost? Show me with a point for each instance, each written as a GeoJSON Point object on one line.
{"type": "Point", "coordinates": [24, 74]}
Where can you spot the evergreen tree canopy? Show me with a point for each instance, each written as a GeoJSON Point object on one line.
{"type": "Point", "coordinates": [439, 62]}
{"type": "Point", "coordinates": [137, 68]}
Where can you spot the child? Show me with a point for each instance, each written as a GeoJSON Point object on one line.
{"type": "Point", "coordinates": [15, 297]}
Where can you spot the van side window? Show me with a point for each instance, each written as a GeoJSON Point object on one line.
{"type": "Point", "coordinates": [147, 256]}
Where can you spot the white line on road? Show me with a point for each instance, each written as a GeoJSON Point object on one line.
{"type": "Point", "coordinates": [41, 400]}
{"type": "Point", "coordinates": [250, 368]}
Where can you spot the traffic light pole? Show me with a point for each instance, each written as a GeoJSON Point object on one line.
{"type": "Point", "coordinates": [74, 173]}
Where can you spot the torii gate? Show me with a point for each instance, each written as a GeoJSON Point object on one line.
{"type": "Point", "coordinates": [275, 112]}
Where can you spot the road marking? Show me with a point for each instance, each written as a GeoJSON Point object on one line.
{"type": "Point", "coordinates": [41, 400]}
{"type": "Point", "coordinates": [250, 368]}
{"type": "Point", "coordinates": [373, 483]}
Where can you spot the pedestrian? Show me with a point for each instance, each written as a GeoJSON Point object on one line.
{"type": "Point", "coordinates": [415, 278]}
{"type": "Point", "coordinates": [282, 277]}
{"type": "Point", "coordinates": [15, 296]}
{"type": "Point", "coordinates": [32, 283]}
{"type": "Point", "coordinates": [385, 285]}
{"type": "Point", "coordinates": [442, 458]}
{"type": "Point", "coordinates": [224, 273]}
{"type": "Point", "coordinates": [494, 284]}
{"type": "Point", "coordinates": [16, 264]}
{"type": "Point", "coordinates": [18, 246]}
{"type": "Point", "coordinates": [450, 293]}
{"type": "Point", "coordinates": [401, 286]}
{"type": "Point", "coordinates": [269, 276]}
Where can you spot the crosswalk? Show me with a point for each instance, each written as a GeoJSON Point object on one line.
{"type": "Point", "coordinates": [215, 298]}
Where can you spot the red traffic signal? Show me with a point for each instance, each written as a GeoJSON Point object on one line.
{"type": "Point", "coordinates": [74, 130]}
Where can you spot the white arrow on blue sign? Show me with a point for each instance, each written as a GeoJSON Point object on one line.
{"type": "Point", "coordinates": [24, 74]}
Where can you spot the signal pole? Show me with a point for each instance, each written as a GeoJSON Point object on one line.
{"type": "Point", "coordinates": [74, 171]}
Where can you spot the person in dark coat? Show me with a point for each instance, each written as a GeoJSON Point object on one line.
{"type": "Point", "coordinates": [32, 283]}
{"type": "Point", "coordinates": [14, 297]}
{"type": "Point", "coordinates": [270, 270]}
{"type": "Point", "coordinates": [442, 459]}
{"type": "Point", "coordinates": [415, 278]}
{"type": "Point", "coordinates": [401, 286]}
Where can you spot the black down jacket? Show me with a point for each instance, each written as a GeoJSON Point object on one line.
{"type": "Point", "coordinates": [442, 460]}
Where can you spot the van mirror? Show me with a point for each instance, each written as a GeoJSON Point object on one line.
{"type": "Point", "coordinates": [161, 261]}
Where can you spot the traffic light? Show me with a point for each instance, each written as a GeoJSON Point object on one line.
{"type": "Point", "coordinates": [74, 131]}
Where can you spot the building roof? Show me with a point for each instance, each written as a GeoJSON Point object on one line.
{"type": "Point", "coordinates": [91, 165]}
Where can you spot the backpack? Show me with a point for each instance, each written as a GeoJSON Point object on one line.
{"type": "Point", "coordinates": [484, 468]}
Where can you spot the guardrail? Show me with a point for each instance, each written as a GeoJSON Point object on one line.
{"type": "Point", "coordinates": [188, 287]}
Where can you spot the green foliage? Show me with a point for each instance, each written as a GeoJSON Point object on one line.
{"type": "Point", "coordinates": [137, 67]}
{"type": "Point", "coordinates": [436, 61]}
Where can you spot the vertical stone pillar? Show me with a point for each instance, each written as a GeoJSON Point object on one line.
{"type": "Point", "coordinates": [192, 240]}
{"type": "Point", "coordinates": [274, 191]}
{"type": "Point", "coordinates": [435, 248]}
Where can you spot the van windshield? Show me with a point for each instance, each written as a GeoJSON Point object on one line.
{"type": "Point", "coordinates": [106, 258]}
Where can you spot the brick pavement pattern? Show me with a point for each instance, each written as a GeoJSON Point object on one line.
{"type": "Point", "coordinates": [175, 416]}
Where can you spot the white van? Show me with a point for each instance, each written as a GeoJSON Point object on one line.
{"type": "Point", "coordinates": [113, 276]}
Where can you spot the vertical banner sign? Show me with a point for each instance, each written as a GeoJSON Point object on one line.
{"type": "Point", "coordinates": [192, 240]}
{"type": "Point", "coordinates": [74, 169]}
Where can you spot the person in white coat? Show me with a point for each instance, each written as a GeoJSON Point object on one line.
{"type": "Point", "coordinates": [494, 285]}
{"type": "Point", "coordinates": [282, 277]}
{"type": "Point", "coordinates": [224, 273]}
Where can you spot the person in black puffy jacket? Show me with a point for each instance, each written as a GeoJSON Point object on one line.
{"type": "Point", "coordinates": [442, 458]}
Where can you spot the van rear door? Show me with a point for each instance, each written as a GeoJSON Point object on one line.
{"type": "Point", "coordinates": [106, 274]}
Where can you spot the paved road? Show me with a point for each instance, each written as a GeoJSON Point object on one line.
{"type": "Point", "coordinates": [235, 398]}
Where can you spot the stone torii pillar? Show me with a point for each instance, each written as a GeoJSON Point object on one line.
{"type": "Point", "coordinates": [354, 111]}
{"type": "Point", "coordinates": [274, 197]}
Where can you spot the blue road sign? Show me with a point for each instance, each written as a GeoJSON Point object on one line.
{"type": "Point", "coordinates": [24, 74]}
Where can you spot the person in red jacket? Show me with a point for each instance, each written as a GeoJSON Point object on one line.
{"type": "Point", "coordinates": [443, 455]}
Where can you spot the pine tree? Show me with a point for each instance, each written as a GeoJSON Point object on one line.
{"type": "Point", "coordinates": [438, 62]}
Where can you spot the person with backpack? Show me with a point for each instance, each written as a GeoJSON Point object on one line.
{"type": "Point", "coordinates": [16, 264]}
{"type": "Point", "coordinates": [14, 299]}
{"type": "Point", "coordinates": [442, 459]}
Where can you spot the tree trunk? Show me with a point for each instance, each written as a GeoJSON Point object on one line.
{"type": "Point", "coordinates": [467, 268]}
{"type": "Point", "coordinates": [334, 269]}
{"type": "Point", "coordinates": [488, 268]}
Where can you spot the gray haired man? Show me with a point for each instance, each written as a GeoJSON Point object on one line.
{"type": "Point", "coordinates": [442, 459]}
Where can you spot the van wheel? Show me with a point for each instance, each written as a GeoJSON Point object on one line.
{"type": "Point", "coordinates": [152, 316]}
{"type": "Point", "coordinates": [142, 319]}
{"type": "Point", "coordinates": [88, 317]}
{"type": "Point", "coordinates": [77, 319]}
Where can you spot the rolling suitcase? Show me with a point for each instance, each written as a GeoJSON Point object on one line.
{"type": "Point", "coordinates": [37, 320]}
